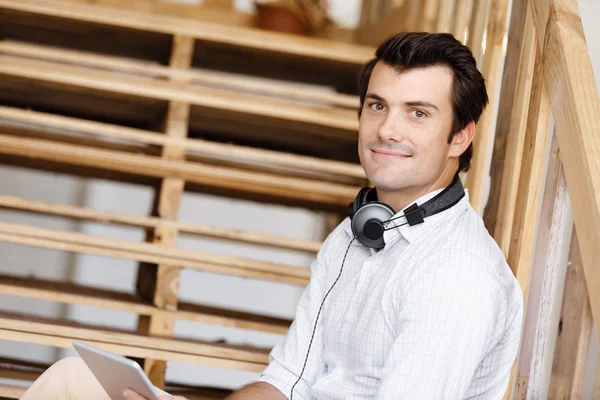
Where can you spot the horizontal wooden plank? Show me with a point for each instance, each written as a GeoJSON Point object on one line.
{"type": "Point", "coordinates": [68, 293]}
{"type": "Point", "coordinates": [12, 391]}
{"type": "Point", "coordinates": [270, 161]}
{"type": "Point", "coordinates": [332, 122]}
{"type": "Point", "coordinates": [234, 179]}
{"type": "Point", "coordinates": [208, 78]}
{"type": "Point", "coordinates": [207, 11]}
{"type": "Point", "coordinates": [250, 38]}
{"type": "Point", "coordinates": [213, 231]}
{"type": "Point", "coordinates": [48, 339]}
{"type": "Point", "coordinates": [27, 372]}
{"type": "Point", "coordinates": [148, 252]}
{"type": "Point", "coordinates": [62, 333]}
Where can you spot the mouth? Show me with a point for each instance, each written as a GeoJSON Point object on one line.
{"type": "Point", "coordinates": [389, 153]}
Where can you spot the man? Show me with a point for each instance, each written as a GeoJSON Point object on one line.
{"type": "Point", "coordinates": [435, 313]}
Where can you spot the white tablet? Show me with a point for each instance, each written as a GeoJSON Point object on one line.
{"type": "Point", "coordinates": [116, 373]}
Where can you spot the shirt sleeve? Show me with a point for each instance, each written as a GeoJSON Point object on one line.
{"type": "Point", "coordinates": [443, 316]}
{"type": "Point", "coordinates": [287, 358]}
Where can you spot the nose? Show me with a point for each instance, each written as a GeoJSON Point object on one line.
{"type": "Point", "coordinates": [389, 129]}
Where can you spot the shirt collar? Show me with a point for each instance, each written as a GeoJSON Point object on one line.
{"type": "Point", "coordinates": [412, 233]}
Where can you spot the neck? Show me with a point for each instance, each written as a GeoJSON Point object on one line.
{"type": "Point", "coordinates": [400, 199]}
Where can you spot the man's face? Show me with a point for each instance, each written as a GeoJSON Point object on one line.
{"type": "Point", "coordinates": [404, 127]}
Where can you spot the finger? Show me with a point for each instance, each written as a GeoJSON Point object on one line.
{"type": "Point", "coordinates": [132, 395]}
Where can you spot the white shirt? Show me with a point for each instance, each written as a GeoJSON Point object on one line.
{"type": "Point", "coordinates": [436, 314]}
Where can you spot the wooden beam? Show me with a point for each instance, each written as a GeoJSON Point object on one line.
{"type": "Point", "coordinates": [164, 290]}
{"type": "Point", "coordinates": [529, 185]}
{"type": "Point", "coordinates": [61, 334]}
{"type": "Point", "coordinates": [248, 157]}
{"type": "Point", "coordinates": [574, 332]}
{"type": "Point", "coordinates": [477, 27]}
{"type": "Point", "coordinates": [213, 231]}
{"type": "Point", "coordinates": [445, 16]}
{"type": "Point", "coordinates": [492, 64]}
{"type": "Point", "coordinates": [462, 18]}
{"type": "Point", "coordinates": [84, 295]}
{"type": "Point", "coordinates": [230, 178]}
{"type": "Point", "coordinates": [342, 123]}
{"type": "Point", "coordinates": [430, 15]}
{"type": "Point", "coordinates": [151, 253]}
{"type": "Point", "coordinates": [251, 38]}
{"type": "Point", "coordinates": [201, 77]}
{"type": "Point", "coordinates": [554, 226]}
{"type": "Point", "coordinates": [507, 93]}
{"type": "Point", "coordinates": [576, 109]}
{"type": "Point", "coordinates": [214, 11]}
{"type": "Point", "coordinates": [12, 391]}
{"type": "Point", "coordinates": [516, 138]}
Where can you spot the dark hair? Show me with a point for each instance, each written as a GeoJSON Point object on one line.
{"type": "Point", "coordinates": [407, 51]}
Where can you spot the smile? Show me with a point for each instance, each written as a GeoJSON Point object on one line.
{"type": "Point", "coordinates": [388, 153]}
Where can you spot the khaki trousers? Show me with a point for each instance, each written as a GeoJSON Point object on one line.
{"type": "Point", "coordinates": [68, 379]}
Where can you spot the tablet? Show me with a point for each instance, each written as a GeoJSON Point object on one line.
{"type": "Point", "coordinates": [116, 373]}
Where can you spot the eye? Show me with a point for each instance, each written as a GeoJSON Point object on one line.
{"type": "Point", "coordinates": [419, 114]}
{"type": "Point", "coordinates": [377, 106]}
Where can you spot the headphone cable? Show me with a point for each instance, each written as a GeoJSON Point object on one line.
{"type": "Point", "coordinates": [317, 319]}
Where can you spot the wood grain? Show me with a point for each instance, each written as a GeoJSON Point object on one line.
{"type": "Point", "coordinates": [574, 332]}
{"type": "Point", "coordinates": [494, 54]}
{"type": "Point", "coordinates": [205, 230]}
{"type": "Point", "coordinates": [234, 102]}
{"type": "Point", "coordinates": [68, 293]}
{"type": "Point", "coordinates": [147, 252]}
{"type": "Point", "coordinates": [229, 35]}
{"type": "Point", "coordinates": [234, 179]}
{"type": "Point", "coordinates": [516, 138]}
{"type": "Point", "coordinates": [576, 109]}
{"type": "Point", "coordinates": [554, 226]}
{"type": "Point", "coordinates": [164, 290]}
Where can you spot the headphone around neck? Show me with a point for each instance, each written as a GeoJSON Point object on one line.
{"type": "Point", "coordinates": [369, 217]}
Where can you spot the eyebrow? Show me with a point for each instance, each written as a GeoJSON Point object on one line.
{"type": "Point", "coordinates": [424, 104]}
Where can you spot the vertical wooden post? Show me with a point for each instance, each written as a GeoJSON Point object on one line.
{"type": "Point", "coordinates": [477, 28]}
{"type": "Point", "coordinates": [516, 138]}
{"type": "Point", "coordinates": [494, 52]}
{"type": "Point", "coordinates": [430, 15]}
{"type": "Point", "coordinates": [164, 292]}
{"type": "Point", "coordinates": [445, 16]}
{"type": "Point", "coordinates": [529, 185]}
{"type": "Point", "coordinates": [554, 226]}
{"type": "Point", "coordinates": [505, 110]}
{"type": "Point", "coordinates": [462, 20]}
{"type": "Point", "coordinates": [574, 331]}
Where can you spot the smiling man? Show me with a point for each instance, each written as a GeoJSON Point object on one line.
{"type": "Point", "coordinates": [434, 312]}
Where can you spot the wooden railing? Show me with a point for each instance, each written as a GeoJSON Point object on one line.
{"type": "Point", "coordinates": [545, 167]}
{"type": "Point", "coordinates": [549, 171]}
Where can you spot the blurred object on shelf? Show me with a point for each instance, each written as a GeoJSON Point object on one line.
{"type": "Point", "coordinates": [301, 17]}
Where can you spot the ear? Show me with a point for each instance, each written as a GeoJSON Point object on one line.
{"type": "Point", "coordinates": [461, 140]}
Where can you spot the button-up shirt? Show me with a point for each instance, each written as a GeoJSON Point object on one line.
{"type": "Point", "coordinates": [435, 314]}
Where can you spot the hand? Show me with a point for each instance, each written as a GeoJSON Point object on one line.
{"type": "Point", "coordinates": [132, 395]}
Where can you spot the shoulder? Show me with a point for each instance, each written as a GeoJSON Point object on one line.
{"type": "Point", "coordinates": [462, 256]}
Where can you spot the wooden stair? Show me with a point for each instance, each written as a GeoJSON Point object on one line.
{"type": "Point", "coordinates": [104, 90]}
